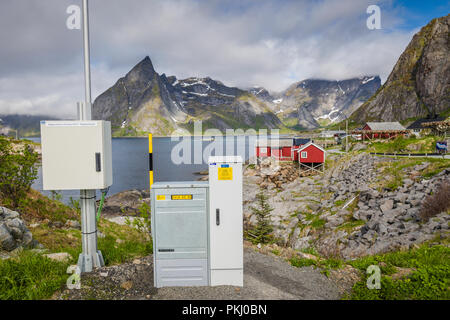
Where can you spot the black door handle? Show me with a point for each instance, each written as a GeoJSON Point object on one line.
{"type": "Point", "coordinates": [98, 166]}
{"type": "Point", "coordinates": [217, 216]}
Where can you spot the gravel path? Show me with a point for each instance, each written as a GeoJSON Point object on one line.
{"type": "Point", "coordinates": [265, 277]}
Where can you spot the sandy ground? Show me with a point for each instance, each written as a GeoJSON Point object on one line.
{"type": "Point", "coordinates": [265, 277]}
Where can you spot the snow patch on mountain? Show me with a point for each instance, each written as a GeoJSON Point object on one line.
{"type": "Point", "coordinates": [368, 80]}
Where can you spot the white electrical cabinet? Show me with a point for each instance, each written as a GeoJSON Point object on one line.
{"type": "Point", "coordinates": [225, 221]}
{"type": "Point", "coordinates": [76, 155]}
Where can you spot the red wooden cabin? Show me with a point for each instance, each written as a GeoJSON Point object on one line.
{"type": "Point", "coordinates": [282, 150]}
{"type": "Point", "coordinates": [263, 151]}
{"type": "Point", "coordinates": [311, 153]}
{"type": "Point", "coordinates": [282, 153]}
{"type": "Point", "coordinates": [382, 130]}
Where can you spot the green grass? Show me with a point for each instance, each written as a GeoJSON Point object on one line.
{"type": "Point", "coordinates": [400, 145]}
{"type": "Point", "coordinates": [436, 166]}
{"type": "Point", "coordinates": [310, 250]}
{"type": "Point", "coordinates": [324, 264]}
{"type": "Point", "coordinates": [429, 281]}
{"type": "Point", "coordinates": [350, 225]}
{"type": "Point", "coordinates": [299, 262]}
{"type": "Point", "coordinates": [30, 276]}
{"type": "Point", "coordinates": [276, 252]}
{"type": "Point", "coordinates": [393, 174]}
{"type": "Point", "coordinates": [115, 253]}
{"type": "Point", "coordinates": [120, 244]}
{"type": "Point", "coordinates": [35, 206]}
{"type": "Point", "coordinates": [316, 221]}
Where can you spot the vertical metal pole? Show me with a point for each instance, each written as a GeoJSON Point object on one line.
{"type": "Point", "coordinates": [346, 135]}
{"type": "Point", "coordinates": [90, 257]}
{"type": "Point", "coordinates": [87, 60]}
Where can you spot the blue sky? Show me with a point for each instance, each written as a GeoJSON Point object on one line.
{"type": "Point", "coordinates": [244, 43]}
{"type": "Point", "coordinates": [417, 13]}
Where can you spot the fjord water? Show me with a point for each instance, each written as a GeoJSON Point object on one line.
{"type": "Point", "coordinates": [130, 160]}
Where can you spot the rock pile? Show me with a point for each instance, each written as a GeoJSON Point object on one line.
{"type": "Point", "coordinates": [13, 232]}
{"type": "Point", "coordinates": [125, 202]}
{"type": "Point", "coordinates": [274, 174]}
{"type": "Point", "coordinates": [392, 217]}
{"type": "Point", "coordinates": [343, 211]}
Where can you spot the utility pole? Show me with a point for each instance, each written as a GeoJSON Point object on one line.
{"type": "Point", "coordinates": [346, 135]}
{"type": "Point", "coordinates": [90, 257]}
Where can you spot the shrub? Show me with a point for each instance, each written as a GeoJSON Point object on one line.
{"type": "Point", "coordinates": [17, 171]}
{"type": "Point", "coordinates": [75, 205]}
{"type": "Point", "coordinates": [436, 203]}
{"type": "Point", "coordinates": [143, 223]}
{"type": "Point", "coordinates": [261, 233]}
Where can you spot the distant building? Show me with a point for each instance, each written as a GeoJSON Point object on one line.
{"type": "Point", "coordinates": [381, 130]}
{"type": "Point", "coordinates": [311, 157]}
{"type": "Point", "coordinates": [283, 149]}
{"type": "Point", "coordinates": [331, 133]}
{"type": "Point", "coordinates": [4, 131]}
{"type": "Point", "coordinates": [384, 126]}
{"type": "Point", "coordinates": [419, 125]}
{"type": "Point", "coordinates": [311, 153]}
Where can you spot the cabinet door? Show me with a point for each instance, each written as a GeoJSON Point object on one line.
{"type": "Point", "coordinates": [226, 238]}
{"type": "Point", "coordinates": [180, 225]}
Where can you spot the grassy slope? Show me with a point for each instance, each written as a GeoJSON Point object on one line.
{"type": "Point", "coordinates": [30, 275]}
{"type": "Point", "coordinates": [427, 270]}
{"type": "Point", "coordinates": [426, 267]}
{"type": "Point", "coordinates": [405, 145]}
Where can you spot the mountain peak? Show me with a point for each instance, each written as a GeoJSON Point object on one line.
{"type": "Point", "coordinates": [418, 84]}
{"type": "Point", "coordinates": [143, 71]}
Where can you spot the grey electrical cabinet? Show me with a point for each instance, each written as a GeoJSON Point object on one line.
{"type": "Point", "coordinates": [180, 233]}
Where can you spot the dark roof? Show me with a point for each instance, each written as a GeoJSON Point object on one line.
{"type": "Point", "coordinates": [418, 123]}
{"type": "Point", "coordinates": [300, 141]}
{"type": "Point", "coordinates": [274, 143]}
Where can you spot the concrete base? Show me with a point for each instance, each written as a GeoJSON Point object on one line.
{"type": "Point", "coordinates": [87, 263]}
{"type": "Point", "coordinates": [227, 277]}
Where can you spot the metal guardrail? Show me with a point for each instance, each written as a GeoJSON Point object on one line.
{"type": "Point", "coordinates": [408, 154]}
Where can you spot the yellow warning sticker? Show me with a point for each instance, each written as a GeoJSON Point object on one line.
{"type": "Point", "coordinates": [161, 197]}
{"type": "Point", "coordinates": [225, 173]}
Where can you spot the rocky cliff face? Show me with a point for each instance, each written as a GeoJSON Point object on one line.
{"type": "Point", "coordinates": [419, 83]}
{"type": "Point", "coordinates": [140, 101]}
{"type": "Point", "coordinates": [310, 103]}
{"type": "Point", "coordinates": [144, 101]}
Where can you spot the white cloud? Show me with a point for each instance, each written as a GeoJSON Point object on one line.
{"type": "Point", "coordinates": [267, 42]}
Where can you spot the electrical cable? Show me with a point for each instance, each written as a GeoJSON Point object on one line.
{"type": "Point", "coordinates": [102, 201]}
